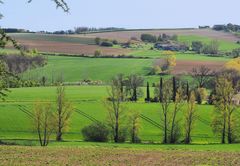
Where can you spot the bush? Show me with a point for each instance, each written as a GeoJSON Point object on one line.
{"type": "Point", "coordinates": [106, 44]}
{"type": "Point", "coordinates": [97, 53]}
{"type": "Point", "coordinates": [201, 95]}
{"type": "Point", "coordinates": [123, 134]}
{"type": "Point", "coordinates": [212, 48]}
{"type": "Point", "coordinates": [96, 132]}
{"type": "Point", "coordinates": [115, 42]}
{"type": "Point", "coordinates": [197, 46]}
{"type": "Point", "coordinates": [97, 40]}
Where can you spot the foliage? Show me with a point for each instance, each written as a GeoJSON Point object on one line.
{"type": "Point", "coordinates": [133, 84]}
{"type": "Point", "coordinates": [233, 64]}
{"type": "Point", "coordinates": [212, 48]}
{"type": "Point", "coordinates": [4, 75]}
{"type": "Point", "coordinates": [201, 95]}
{"type": "Point", "coordinates": [97, 53]}
{"type": "Point", "coordinates": [18, 63]}
{"type": "Point", "coordinates": [96, 132]}
{"type": "Point", "coordinates": [223, 121]}
{"type": "Point", "coordinates": [106, 44]}
{"type": "Point", "coordinates": [197, 46]}
{"type": "Point", "coordinates": [148, 38]}
{"type": "Point", "coordinates": [134, 125]}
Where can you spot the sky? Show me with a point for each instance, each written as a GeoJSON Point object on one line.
{"type": "Point", "coordinates": [43, 15]}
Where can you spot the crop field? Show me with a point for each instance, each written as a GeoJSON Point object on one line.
{"type": "Point", "coordinates": [126, 35]}
{"type": "Point", "coordinates": [105, 155]}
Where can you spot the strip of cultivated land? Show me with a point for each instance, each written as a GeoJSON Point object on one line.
{"type": "Point", "coordinates": [99, 155]}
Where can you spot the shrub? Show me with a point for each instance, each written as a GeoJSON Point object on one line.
{"type": "Point", "coordinates": [201, 95]}
{"type": "Point", "coordinates": [97, 40]}
{"type": "Point", "coordinates": [97, 53]}
{"type": "Point", "coordinates": [96, 132]}
{"type": "Point", "coordinates": [197, 46]}
{"type": "Point", "coordinates": [106, 44]}
{"type": "Point", "coordinates": [212, 48]}
{"type": "Point", "coordinates": [115, 42]}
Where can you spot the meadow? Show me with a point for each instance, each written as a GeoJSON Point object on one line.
{"type": "Point", "coordinates": [15, 124]}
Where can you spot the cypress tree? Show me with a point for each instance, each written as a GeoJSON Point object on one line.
{"type": "Point", "coordinates": [148, 93]}
{"type": "Point", "coordinates": [160, 90]}
{"type": "Point", "coordinates": [174, 89]}
{"type": "Point", "coordinates": [187, 91]}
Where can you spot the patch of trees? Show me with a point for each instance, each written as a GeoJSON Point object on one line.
{"type": "Point", "coordinates": [17, 64]}
{"type": "Point", "coordinates": [15, 30]}
{"type": "Point", "coordinates": [227, 28]}
{"type": "Point", "coordinates": [161, 38]}
{"type": "Point", "coordinates": [105, 42]}
{"type": "Point", "coordinates": [48, 119]}
{"type": "Point", "coordinates": [211, 49]}
{"type": "Point", "coordinates": [148, 38]}
{"type": "Point", "coordinates": [79, 30]}
{"type": "Point", "coordinates": [235, 53]}
{"type": "Point", "coordinates": [164, 65]}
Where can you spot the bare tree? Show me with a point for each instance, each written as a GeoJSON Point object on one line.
{"type": "Point", "coordinates": [44, 122]}
{"type": "Point", "coordinates": [115, 110]}
{"type": "Point", "coordinates": [178, 105]}
{"type": "Point", "coordinates": [201, 75]}
{"type": "Point", "coordinates": [165, 104]}
{"type": "Point", "coordinates": [63, 112]}
{"type": "Point", "coordinates": [190, 118]}
{"type": "Point", "coordinates": [134, 121]}
{"type": "Point", "coordinates": [119, 82]}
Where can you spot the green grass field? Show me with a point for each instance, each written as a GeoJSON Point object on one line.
{"type": "Point", "coordinates": [15, 124]}
{"type": "Point", "coordinates": [223, 45]}
{"type": "Point", "coordinates": [75, 69]}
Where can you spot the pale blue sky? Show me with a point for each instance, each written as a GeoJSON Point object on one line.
{"type": "Point", "coordinates": [41, 14]}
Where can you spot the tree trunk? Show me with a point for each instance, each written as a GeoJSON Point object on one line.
{"type": "Point", "coordinates": [223, 131]}
{"type": "Point", "coordinates": [229, 130]}
{"type": "Point", "coordinates": [165, 129]}
{"type": "Point", "coordinates": [135, 94]}
{"type": "Point", "coordinates": [172, 139]}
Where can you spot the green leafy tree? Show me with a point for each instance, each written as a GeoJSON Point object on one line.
{"type": "Point", "coordinates": [223, 120]}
